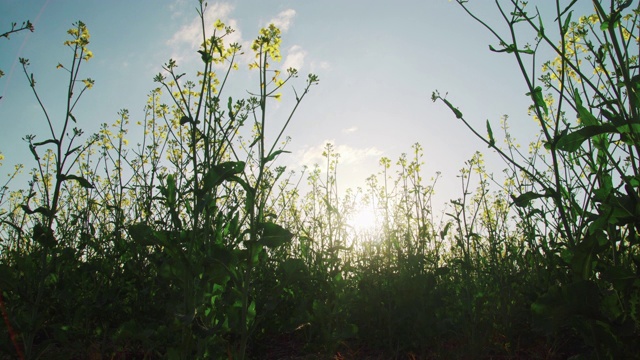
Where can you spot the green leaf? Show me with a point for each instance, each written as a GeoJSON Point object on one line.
{"type": "Point", "coordinates": [538, 99]}
{"type": "Point", "coordinates": [33, 151]}
{"type": "Point", "coordinates": [274, 235]}
{"type": "Point", "coordinates": [524, 199]}
{"type": "Point", "coordinates": [170, 191]}
{"type": "Point", "coordinates": [142, 234]}
{"type": "Point", "coordinates": [492, 141]}
{"type": "Point", "coordinates": [273, 156]}
{"type": "Point", "coordinates": [602, 53]}
{"type": "Point", "coordinates": [49, 141]}
{"type": "Point", "coordinates": [511, 48]}
{"type": "Point", "coordinates": [565, 9]}
{"type": "Point", "coordinates": [444, 231]}
{"type": "Point", "coordinates": [40, 210]}
{"type": "Point", "coordinates": [73, 150]}
{"type": "Point", "coordinates": [44, 236]}
{"type": "Point", "coordinates": [219, 173]}
{"type": "Point", "coordinates": [205, 56]}
{"type": "Point", "coordinates": [251, 312]}
{"type": "Point", "coordinates": [584, 257]}
{"type": "Point", "coordinates": [83, 182]}
{"type": "Point", "coordinates": [541, 26]}
{"type": "Point", "coordinates": [294, 268]}
{"type": "Point", "coordinates": [571, 142]}
{"type": "Point", "coordinates": [586, 117]}
{"type": "Point", "coordinates": [567, 21]}
{"type": "Point", "coordinates": [457, 112]}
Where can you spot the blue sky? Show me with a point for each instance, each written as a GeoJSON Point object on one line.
{"type": "Point", "coordinates": [378, 63]}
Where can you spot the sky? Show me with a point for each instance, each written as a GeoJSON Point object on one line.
{"type": "Point", "coordinates": [378, 64]}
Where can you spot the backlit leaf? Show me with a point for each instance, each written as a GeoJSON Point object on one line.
{"type": "Point", "coordinates": [538, 99]}
{"type": "Point", "coordinates": [274, 235]}
{"type": "Point", "coordinates": [83, 182]}
{"type": "Point", "coordinates": [571, 142]}
{"type": "Point", "coordinates": [524, 199]}
{"type": "Point", "coordinates": [492, 141]}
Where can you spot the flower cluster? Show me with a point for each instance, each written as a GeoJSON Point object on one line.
{"type": "Point", "coordinates": [79, 40]}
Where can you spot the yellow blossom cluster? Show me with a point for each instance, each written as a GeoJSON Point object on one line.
{"type": "Point", "coordinates": [80, 39]}
{"type": "Point", "coordinates": [268, 43]}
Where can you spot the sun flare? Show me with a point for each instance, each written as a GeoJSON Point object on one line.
{"type": "Point", "coordinates": [363, 219]}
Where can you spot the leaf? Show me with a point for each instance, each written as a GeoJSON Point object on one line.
{"type": "Point", "coordinates": [586, 117]}
{"type": "Point", "coordinates": [541, 26]}
{"type": "Point", "coordinates": [444, 232]}
{"type": "Point", "coordinates": [255, 141]}
{"type": "Point", "coordinates": [251, 312]}
{"type": "Point", "coordinates": [83, 182]}
{"type": "Point", "coordinates": [44, 236]}
{"type": "Point", "coordinates": [273, 156]}
{"type": "Point", "coordinates": [49, 141]}
{"type": "Point", "coordinates": [230, 108]}
{"type": "Point", "coordinates": [40, 210]}
{"type": "Point", "coordinates": [524, 199]}
{"type": "Point", "coordinates": [185, 120]}
{"type": "Point", "coordinates": [565, 9]}
{"type": "Point", "coordinates": [511, 48]}
{"type": "Point", "coordinates": [602, 52]}
{"type": "Point", "coordinates": [573, 141]}
{"type": "Point", "coordinates": [170, 191]}
{"type": "Point", "coordinates": [492, 141]}
{"type": "Point", "coordinates": [538, 99]}
{"type": "Point", "coordinates": [274, 235]}
{"type": "Point", "coordinates": [33, 151]}
{"type": "Point", "coordinates": [294, 268]}
{"type": "Point", "coordinates": [455, 110]}
{"type": "Point", "coordinates": [142, 234]}
{"type": "Point", "coordinates": [225, 171]}
{"type": "Point", "coordinates": [205, 56]}
{"type": "Point", "coordinates": [73, 150]}
{"type": "Point", "coordinates": [567, 21]}
{"type": "Point", "coordinates": [584, 257]}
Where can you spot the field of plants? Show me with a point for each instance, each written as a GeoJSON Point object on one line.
{"type": "Point", "coordinates": [195, 244]}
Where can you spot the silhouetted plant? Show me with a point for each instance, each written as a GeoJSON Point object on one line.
{"type": "Point", "coordinates": [586, 179]}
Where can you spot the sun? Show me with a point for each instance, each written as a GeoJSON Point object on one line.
{"type": "Point", "coordinates": [363, 219]}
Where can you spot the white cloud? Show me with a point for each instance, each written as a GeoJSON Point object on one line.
{"type": "Point", "coordinates": [350, 130]}
{"type": "Point", "coordinates": [283, 20]}
{"type": "Point", "coordinates": [177, 8]}
{"type": "Point", "coordinates": [189, 37]}
{"type": "Point", "coordinates": [295, 58]}
{"type": "Point", "coordinates": [319, 65]}
{"type": "Point", "coordinates": [348, 155]}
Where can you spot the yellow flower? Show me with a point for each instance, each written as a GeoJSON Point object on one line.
{"type": "Point", "coordinates": [219, 25]}
{"type": "Point", "coordinates": [88, 83]}
{"type": "Point", "coordinates": [278, 96]}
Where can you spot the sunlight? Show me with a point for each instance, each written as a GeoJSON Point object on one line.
{"type": "Point", "coordinates": [363, 219]}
